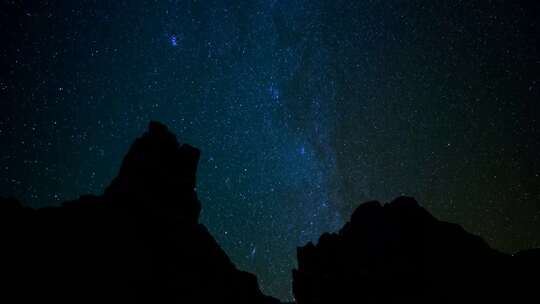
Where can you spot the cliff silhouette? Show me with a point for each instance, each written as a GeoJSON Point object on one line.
{"type": "Point", "coordinates": [141, 242]}
{"type": "Point", "coordinates": [399, 253]}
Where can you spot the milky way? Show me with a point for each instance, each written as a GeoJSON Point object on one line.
{"type": "Point", "coordinates": [302, 110]}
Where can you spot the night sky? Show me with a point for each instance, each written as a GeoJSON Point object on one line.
{"type": "Point", "coordinates": [302, 110]}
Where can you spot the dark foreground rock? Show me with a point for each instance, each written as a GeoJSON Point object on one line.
{"type": "Point", "coordinates": [139, 242]}
{"type": "Point", "coordinates": [399, 253]}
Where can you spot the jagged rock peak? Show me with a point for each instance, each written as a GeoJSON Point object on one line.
{"type": "Point", "coordinates": [158, 170]}
{"type": "Point", "coordinates": [139, 242]}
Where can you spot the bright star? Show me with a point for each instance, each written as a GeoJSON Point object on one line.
{"type": "Point", "coordinates": [174, 40]}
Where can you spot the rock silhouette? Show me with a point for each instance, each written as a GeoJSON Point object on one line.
{"type": "Point", "coordinates": [139, 242]}
{"type": "Point", "coordinates": [399, 253]}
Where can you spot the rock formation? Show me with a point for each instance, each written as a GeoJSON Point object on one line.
{"type": "Point", "coordinates": [139, 242]}
{"type": "Point", "coordinates": [399, 253]}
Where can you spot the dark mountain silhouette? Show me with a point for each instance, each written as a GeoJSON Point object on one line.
{"type": "Point", "coordinates": [139, 242]}
{"type": "Point", "coordinates": [399, 253]}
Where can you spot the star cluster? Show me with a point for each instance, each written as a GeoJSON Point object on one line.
{"type": "Point", "coordinates": [302, 110]}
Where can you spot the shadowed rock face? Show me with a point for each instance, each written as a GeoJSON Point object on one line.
{"type": "Point", "coordinates": [399, 253]}
{"type": "Point", "coordinates": [139, 242]}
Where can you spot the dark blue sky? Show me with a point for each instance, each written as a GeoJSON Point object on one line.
{"type": "Point", "coordinates": [302, 110]}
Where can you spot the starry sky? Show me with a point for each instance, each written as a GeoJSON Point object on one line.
{"type": "Point", "coordinates": [302, 110]}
